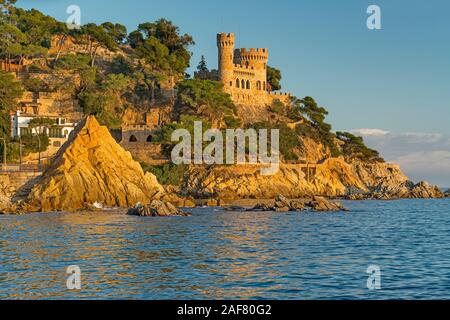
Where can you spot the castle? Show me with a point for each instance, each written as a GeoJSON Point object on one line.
{"type": "Point", "coordinates": [244, 73]}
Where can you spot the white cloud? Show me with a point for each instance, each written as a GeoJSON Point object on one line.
{"type": "Point", "coordinates": [422, 156]}
{"type": "Point", "coordinates": [370, 132]}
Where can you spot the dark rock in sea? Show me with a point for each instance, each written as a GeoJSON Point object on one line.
{"type": "Point", "coordinates": [235, 209]}
{"type": "Point", "coordinates": [321, 204]}
{"type": "Point", "coordinates": [157, 209]}
{"type": "Point", "coordinates": [281, 204]}
{"type": "Point", "coordinates": [357, 196]}
{"type": "Point", "coordinates": [424, 190]}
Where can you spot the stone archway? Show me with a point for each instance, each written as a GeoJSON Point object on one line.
{"type": "Point", "coordinates": [133, 138]}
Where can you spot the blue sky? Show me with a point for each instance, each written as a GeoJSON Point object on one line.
{"type": "Point", "coordinates": [396, 80]}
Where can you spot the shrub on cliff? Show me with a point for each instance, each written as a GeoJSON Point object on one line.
{"type": "Point", "coordinates": [167, 174]}
{"type": "Point", "coordinates": [355, 148]}
{"type": "Point", "coordinates": [314, 125]}
{"type": "Point", "coordinates": [164, 135]}
{"type": "Point", "coordinates": [290, 144]}
{"type": "Point", "coordinates": [206, 99]}
{"type": "Point", "coordinates": [274, 78]}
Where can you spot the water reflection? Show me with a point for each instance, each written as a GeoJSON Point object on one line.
{"type": "Point", "coordinates": [224, 255]}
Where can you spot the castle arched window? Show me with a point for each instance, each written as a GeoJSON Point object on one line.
{"type": "Point", "coordinates": [243, 84]}
{"type": "Point", "coordinates": [264, 85]}
{"type": "Point", "coordinates": [248, 84]}
{"type": "Point", "coordinates": [231, 83]}
{"type": "Point", "coordinates": [133, 138]}
{"type": "Point", "coordinates": [150, 138]}
{"type": "Point", "coordinates": [238, 82]}
{"type": "Point", "coordinates": [258, 85]}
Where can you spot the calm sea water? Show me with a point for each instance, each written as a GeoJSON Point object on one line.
{"type": "Point", "coordinates": [222, 255]}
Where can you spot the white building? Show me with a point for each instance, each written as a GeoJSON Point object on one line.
{"type": "Point", "coordinates": [20, 126]}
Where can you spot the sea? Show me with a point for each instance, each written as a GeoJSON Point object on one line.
{"type": "Point", "coordinates": [379, 250]}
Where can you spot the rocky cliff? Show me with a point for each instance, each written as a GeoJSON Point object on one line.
{"type": "Point", "coordinates": [5, 195]}
{"type": "Point", "coordinates": [92, 168]}
{"type": "Point", "coordinates": [332, 178]}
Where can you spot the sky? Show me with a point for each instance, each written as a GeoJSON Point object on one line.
{"type": "Point", "coordinates": [392, 85]}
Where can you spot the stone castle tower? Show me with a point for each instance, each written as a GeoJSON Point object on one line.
{"type": "Point", "coordinates": [244, 73]}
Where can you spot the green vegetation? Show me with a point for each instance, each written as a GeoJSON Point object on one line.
{"type": "Point", "coordinates": [203, 73]}
{"type": "Point", "coordinates": [167, 174]}
{"type": "Point", "coordinates": [161, 45]}
{"type": "Point", "coordinates": [30, 144]}
{"type": "Point", "coordinates": [354, 148]}
{"type": "Point", "coordinates": [290, 144]}
{"type": "Point", "coordinates": [96, 37]}
{"type": "Point", "coordinates": [277, 107]}
{"type": "Point", "coordinates": [140, 71]}
{"type": "Point", "coordinates": [104, 99]}
{"type": "Point", "coordinates": [10, 91]}
{"type": "Point", "coordinates": [206, 99]}
{"type": "Point", "coordinates": [274, 78]}
{"type": "Point", "coordinates": [314, 125]}
{"type": "Point", "coordinates": [164, 135]}
{"type": "Point", "coordinates": [40, 124]}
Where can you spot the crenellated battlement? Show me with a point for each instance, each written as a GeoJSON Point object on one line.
{"type": "Point", "coordinates": [225, 39]}
{"type": "Point", "coordinates": [264, 52]}
{"type": "Point", "coordinates": [274, 93]}
{"type": "Point", "coordinates": [242, 67]}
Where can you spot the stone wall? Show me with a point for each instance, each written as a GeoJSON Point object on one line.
{"type": "Point", "coordinates": [17, 183]}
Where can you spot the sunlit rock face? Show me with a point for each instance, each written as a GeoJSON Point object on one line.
{"type": "Point", "coordinates": [92, 168]}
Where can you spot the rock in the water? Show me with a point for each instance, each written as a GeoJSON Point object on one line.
{"type": "Point", "coordinates": [321, 204]}
{"type": "Point", "coordinates": [157, 209]}
{"type": "Point", "coordinates": [424, 190]}
{"type": "Point", "coordinates": [356, 196]}
{"type": "Point", "coordinates": [92, 167]}
{"type": "Point", "coordinates": [281, 204]}
{"type": "Point", "coordinates": [406, 190]}
{"type": "Point", "coordinates": [447, 193]}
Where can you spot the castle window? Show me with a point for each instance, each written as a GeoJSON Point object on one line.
{"type": "Point", "coordinates": [150, 138]}
{"type": "Point", "coordinates": [258, 85]}
{"type": "Point", "coordinates": [133, 138]}
{"type": "Point", "coordinates": [231, 83]}
{"type": "Point", "coordinates": [248, 84]}
{"type": "Point", "coordinates": [264, 85]}
{"type": "Point", "coordinates": [243, 84]}
{"type": "Point", "coordinates": [238, 83]}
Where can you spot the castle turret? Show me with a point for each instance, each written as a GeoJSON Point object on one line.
{"type": "Point", "coordinates": [256, 58]}
{"type": "Point", "coordinates": [225, 43]}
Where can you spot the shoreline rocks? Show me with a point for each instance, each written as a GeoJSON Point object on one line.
{"type": "Point", "coordinates": [321, 204]}
{"type": "Point", "coordinates": [157, 209]}
{"type": "Point", "coordinates": [408, 190]}
{"type": "Point", "coordinates": [283, 204]}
